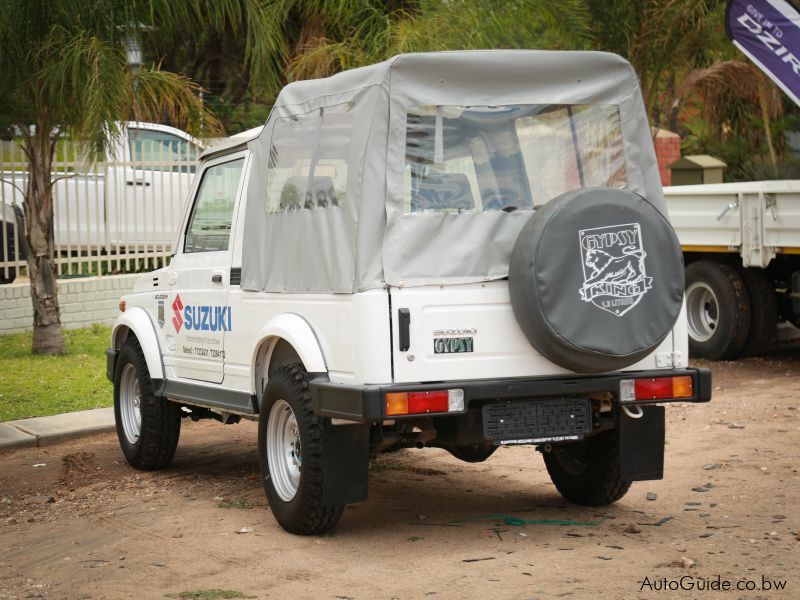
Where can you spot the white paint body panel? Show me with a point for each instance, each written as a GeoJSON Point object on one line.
{"type": "Point", "coordinates": [137, 320]}
{"type": "Point", "coordinates": [500, 348]}
{"type": "Point", "coordinates": [757, 219]}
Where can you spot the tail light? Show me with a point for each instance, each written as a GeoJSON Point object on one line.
{"type": "Point", "coordinates": [656, 388]}
{"type": "Point", "coordinates": [420, 403]}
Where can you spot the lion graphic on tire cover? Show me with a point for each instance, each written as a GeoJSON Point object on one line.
{"type": "Point", "coordinates": [614, 271]}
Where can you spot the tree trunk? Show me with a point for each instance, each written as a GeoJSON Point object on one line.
{"type": "Point", "coordinates": [48, 338]}
{"type": "Point", "coordinates": [763, 101]}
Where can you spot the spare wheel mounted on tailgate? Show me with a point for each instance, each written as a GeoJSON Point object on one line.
{"type": "Point", "coordinates": [596, 279]}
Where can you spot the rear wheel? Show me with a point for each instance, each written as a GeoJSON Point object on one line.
{"type": "Point", "coordinates": [588, 472]}
{"type": "Point", "coordinates": [148, 426]}
{"type": "Point", "coordinates": [763, 311]}
{"type": "Point", "coordinates": [717, 310]}
{"type": "Point", "coordinates": [290, 455]}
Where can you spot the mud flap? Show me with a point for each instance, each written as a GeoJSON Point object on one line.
{"type": "Point", "coordinates": [345, 463]}
{"type": "Point", "coordinates": [641, 445]}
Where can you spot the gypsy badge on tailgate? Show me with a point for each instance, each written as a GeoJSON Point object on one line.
{"type": "Point", "coordinates": [454, 341]}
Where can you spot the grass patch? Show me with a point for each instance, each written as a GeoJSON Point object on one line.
{"type": "Point", "coordinates": [242, 504]}
{"type": "Point", "coordinates": [37, 386]}
{"type": "Point", "coordinates": [208, 595]}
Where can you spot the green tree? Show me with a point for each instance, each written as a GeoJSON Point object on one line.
{"type": "Point", "coordinates": [63, 70]}
{"type": "Point", "coordinates": [320, 38]}
{"type": "Point", "coordinates": [316, 38]}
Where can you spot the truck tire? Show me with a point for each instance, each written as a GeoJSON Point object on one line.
{"type": "Point", "coordinates": [588, 472]}
{"type": "Point", "coordinates": [148, 426]}
{"type": "Point", "coordinates": [596, 279]}
{"type": "Point", "coordinates": [290, 454]}
{"type": "Point", "coordinates": [717, 310]}
{"type": "Point", "coordinates": [763, 311]}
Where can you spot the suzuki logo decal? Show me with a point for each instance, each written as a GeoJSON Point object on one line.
{"type": "Point", "coordinates": [177, 307]}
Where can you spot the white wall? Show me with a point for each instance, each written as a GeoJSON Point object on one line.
{"type": "Point", "coordinates": [83, 301]}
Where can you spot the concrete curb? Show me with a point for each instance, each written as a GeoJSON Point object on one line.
{"type": "Point", "coordinates": [40, 431]}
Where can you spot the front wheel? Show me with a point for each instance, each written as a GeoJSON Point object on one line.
{"type": "Point", "coordinates": [290, 455]}
{"type": "Point", "coordinates": [588, 472]}
{"type": "Point", "coordinates": [148, 426]}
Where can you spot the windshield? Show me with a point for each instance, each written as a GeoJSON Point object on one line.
{"type": "Point", "coordinates": [482, 158]}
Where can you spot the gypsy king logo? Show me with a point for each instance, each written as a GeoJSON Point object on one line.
{"type": "Point", "coordinates": [614, 276]}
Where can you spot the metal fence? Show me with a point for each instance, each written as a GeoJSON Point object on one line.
{"type": "Point", "coordinates": [114, 216]}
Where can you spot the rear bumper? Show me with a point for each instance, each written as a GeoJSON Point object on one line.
{"type": "Point", "coordinates": [365, 403]}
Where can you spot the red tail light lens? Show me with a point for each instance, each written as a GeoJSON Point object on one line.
{"type": "Point", "coordinates": [420, 403]}
{"type": "Point", "coordinates": [661, 388]}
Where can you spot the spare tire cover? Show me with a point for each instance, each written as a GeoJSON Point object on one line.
{"type": "Point", "coordinates": [596, 279]}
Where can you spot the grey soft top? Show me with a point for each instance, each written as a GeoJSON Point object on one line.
{"type": "Point", "coordinates": [333, 196]}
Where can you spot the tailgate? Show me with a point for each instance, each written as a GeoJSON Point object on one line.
{"type": "Point", "coordinates": [469, 331]}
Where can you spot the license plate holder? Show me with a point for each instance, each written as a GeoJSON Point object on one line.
{"type": "Point", "coordinates": [537, 421]}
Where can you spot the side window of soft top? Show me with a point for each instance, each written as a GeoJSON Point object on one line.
{"type": "Point", "coordinates": [209, 226]}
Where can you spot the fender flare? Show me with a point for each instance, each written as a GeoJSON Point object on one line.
{"type": "Point", "coordinates": [296, 331]}
{"type": "Point", "coordinates": [137, 320]}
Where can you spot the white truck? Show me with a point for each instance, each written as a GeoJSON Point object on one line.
{"type": "Point", "coordinates": [462, 250]}
{"type": "Point", "coordinates": [741, 246]}
{"type": "Point", "coordinates": [133, 200]}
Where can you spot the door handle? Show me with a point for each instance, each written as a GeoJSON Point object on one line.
{"type": "Point", "coordinates": [403, 325]}
{"type": "Point", "coordinates": [216, 277]}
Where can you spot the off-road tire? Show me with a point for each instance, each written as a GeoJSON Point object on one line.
{"type": "Point", "coordinates": [161, 419]}
{"type": "Point", "coordinates": [588, 472]}
{"type": "Point", "coordinates": [305, 513]}
{"type": "Point", "coordinates": [763, 311]}
{"type": "Point", "coordinates": [733, 307]}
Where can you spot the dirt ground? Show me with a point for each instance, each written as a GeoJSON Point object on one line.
{"type": "Point", "coordinates": [77, 522]}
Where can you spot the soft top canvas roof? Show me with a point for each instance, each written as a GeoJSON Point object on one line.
{"type": "Point", "coordinates": [479, 77]}
{"type": "Point", "coordinates": [371, 240]}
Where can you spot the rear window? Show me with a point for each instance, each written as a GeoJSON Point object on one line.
{"type": "Point", "coordinates": [480, 158]}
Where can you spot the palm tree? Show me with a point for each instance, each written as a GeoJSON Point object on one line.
{"type": "Point", "coordinates": [718, 84]}
{"type": "Point", "coordinates": [661, 39]}
{"type": "Point", "coordinates": [316, 38]}
{"type": "Point", "coordinates": [63, 70]}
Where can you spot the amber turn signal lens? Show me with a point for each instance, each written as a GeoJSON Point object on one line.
{"type": "Point", "coordinates": [397, 404]}
{"type": "Point", "coordinates": [682, 387]}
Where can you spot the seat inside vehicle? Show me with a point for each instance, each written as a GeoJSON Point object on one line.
{"type": "Point", "coordinates": [443, 191]}
{"type": "Point", "coordinates": [317, 192]}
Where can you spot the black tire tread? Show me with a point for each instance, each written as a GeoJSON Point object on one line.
{"type": "Point", "coordinates": [734, 310]}
{"type": "Point", "coordinates": [161, 419]}
{"type": "Point", "coordinates": [311, 517]}
{"type": "Point", "coordinates": [601, 484]}
{"type": "Point", "coordinates": [763, 311]}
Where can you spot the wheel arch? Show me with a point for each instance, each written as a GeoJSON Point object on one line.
{"type": "Point", "coordinates": [285, 339]}
{"type": "Point", "coordinates": [135, 321]}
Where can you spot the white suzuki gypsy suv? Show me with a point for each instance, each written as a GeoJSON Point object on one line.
{"type": "Point", "coordinates": [461, 250]}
